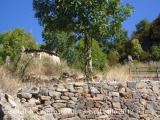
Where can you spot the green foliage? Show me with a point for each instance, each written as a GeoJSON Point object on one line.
{"type": "Point", "coordinates": [155, 52]}
{"type": "Point", "coordinates": [98, 57]}
{"type": "Point", "coordinates": [113, 58]}
{"type": "Point", "coordinates": [155, 30]}
{"type": "Point", "coordinates": [145, 56]}
{"type": "Point", "coordinates": [89, 19]}
{"type": "Point", "coordinates": [100, 17]}
{"type": "Point", "coordinates": [141, 26]}
{"type": "Point", "coordinates": [12, 42]}
{"type": "Point", "coordinates": [136, 48]}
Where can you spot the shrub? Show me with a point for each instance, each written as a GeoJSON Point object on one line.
{"type": "Point", "coordinates": [155, 52]}
{"type": "Point", "coordinates": [113, 58]}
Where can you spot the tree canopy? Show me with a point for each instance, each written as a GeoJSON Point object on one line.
{"type": "Point", "coordinates": [91, 19]}
{"type": "Point", "coordinates": [12, 41]}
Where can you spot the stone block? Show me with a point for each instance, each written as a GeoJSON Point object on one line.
{"type": "Point", "coordinates": [48, 117]}
{"type": "Point", "coordinates": [64, 97]}
{"type": "Point", "coordinates": [54, 94]}
{"type": "Point", "coordinates": [136, 95]}
{"type": "Point", "coordinates": [25, 95]}
{"type": "Point", "coordinates": [131, 85]}
{"type": "Point", "coordinates": [116, 105]}
{"type": "Point", "coordinates": [45, 98]}
{"type": "Point", "coordinates": [62, 90]}
{"type": "Point", "coordinates": [94, 90]}
{"type": "Point", "coordinates": [58, 105]}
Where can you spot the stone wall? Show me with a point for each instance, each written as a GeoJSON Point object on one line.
{"type": "Point", "coordinates": [136, 100]}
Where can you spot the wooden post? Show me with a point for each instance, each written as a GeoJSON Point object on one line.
{"type": "Point", "coordinates": [136, 70]}
{"type": "Point", "coordinates": [157, 73]}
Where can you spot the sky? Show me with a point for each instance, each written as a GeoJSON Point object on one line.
{"type": "Point", "coordinates": [20, 14]}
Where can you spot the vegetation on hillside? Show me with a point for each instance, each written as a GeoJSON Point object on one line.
{"type": "Point", "coordinates": [84, 37]}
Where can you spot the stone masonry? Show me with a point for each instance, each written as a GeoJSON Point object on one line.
{"type": "Point", "coordinates": [132, 100]}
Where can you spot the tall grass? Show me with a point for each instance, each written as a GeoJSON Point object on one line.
{"type": "Point", "coordinates": [8, 82]}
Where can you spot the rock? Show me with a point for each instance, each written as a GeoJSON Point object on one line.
{"type": "Point", "coordinates": [156, 90]}
{"type": "Point", "coordinates": [51, 88]}
{"type": "Point", "coordinates": [25, 95]}
{"type": "Point", "coordinates": [80, 106]}
{"type": "Point", "coordinates": [69, 94]}
{"type": "Point", "coordinates": [115, 94]}
{"type": "Point", "coordinates": [72, 105]}
{"type": "Point", "coordinates": [82, 115]}
{"type": "Point", "coordinates": [143, 101]}
{"type": "Point", "coordinates": [48, 117]}
{"type": "Point", "coordinates": [66, 116]}
{"type": "Point", "coordinates": [91, 116]}
{"type": "Point", "coordinates": [129, 104]}
{"type": "Point", "coordinates": [66, 111]}
{"type": "Point", "coordinates": [35, 109]}
{"type": "Point", "coordinates": [45, 98]}
{"type": "Point", "coordinates": [131, 85]}
{"type": "Point", "coordinates": [141, 85]}
{"type": "Point", "coordinates": [136, 95]}
{"type": "Point", "coordinates": [74, 99]}
{"type": "Point", "coordinates": [62, 90]}
{"type": "Point", "coordinates": [23, 100]}
{"type": "Point", "coordinates": [64, 97]}
{"type": "Point", "coordinates": [99, 96]}
{"type": "Point", "coordinates": [60, 101]}
{"type": "Point", "coordinates": [116, 105]}
{"type": "Point", "coordinates": [54, 94]}
{"type": "Point", "coordinates": [49, 110]}
{"type": "Point", "coordinates": [46, 103]}
{"type": "Point", "coordinates": [122, 90]}
{"type": "Point", "coordinates": [79, 84]}
{"type": "Point", "coordinates": [126, 95]}
{"type": "Point", "coordinates": [115, 99]}
{"type": "Point", "coordinates": [73, 118]}
{"type": "Point", "coordinates": [34, 101]}
{"type": "Point", "coordinates": [59, 105]}
{"type": "Point", "coordinates": [34, 90]}
{"type": "Point", "coordinates": [125, 117]}
{"type": "Point", "coordinates": [70, 88]}
{"type": "Point", "coordinates": [103, 117]}
{"type": "Point", "coordinates": [27, 104]}
{"type": "Point", "coordinates": [94, 90]}
{"type": "Point", "coordinates": [43, 92]}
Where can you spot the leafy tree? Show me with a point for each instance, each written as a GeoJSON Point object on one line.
{"type": "Point", "coordinates": [98, 57]}
{"type": "Point", "coordinates": [136, 48]}
{"type": "Point", "coordinates": [141, 26]}
{"type": "Point", "coordinates": [12, 42]}
{"type": "Point", "coordinates": [87, 18]}
{"type": "Point", "coordinates": [62, 43]}
{"type": "Point", "coordinates": [155, 30]}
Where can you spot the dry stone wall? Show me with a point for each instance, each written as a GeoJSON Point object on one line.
{"type": "Point", "coordinates": [132, 100]}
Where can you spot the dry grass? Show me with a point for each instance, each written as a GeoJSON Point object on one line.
{"type": "Point", "coordinates": [11, 80]}
{"type": "Point", "coordinates": [119, 72]}
{"type": "Point", "coordinates": [8, 82]}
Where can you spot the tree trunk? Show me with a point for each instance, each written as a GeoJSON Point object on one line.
{"type": "Point", "coordinates": [88, 56]}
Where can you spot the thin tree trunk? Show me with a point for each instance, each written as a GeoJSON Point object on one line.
{"type": "Point", "coordinates": [88, 57]}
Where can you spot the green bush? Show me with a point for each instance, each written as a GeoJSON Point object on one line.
{"type": "Point", "coordinates": [136, 48]}
{"type": "Point", "coordinates": [113, 58]}
{"type": "Point", "coordinates": [155, 52]}
{"type": "Point", "coordinates": [145, 56]}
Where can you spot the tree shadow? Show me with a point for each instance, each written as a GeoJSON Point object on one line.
{"type": "Point", "coordinates": [1, 113]}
